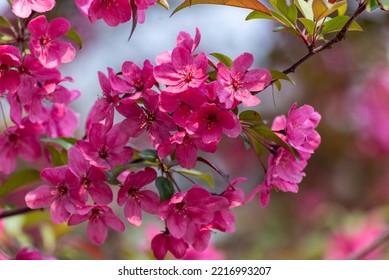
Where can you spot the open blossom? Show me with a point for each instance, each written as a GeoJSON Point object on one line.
{"type": "Point", "coordinates": [149, 118]}
{"type": "Point", "coordinates": [60, 121]}
{"type": "Point", "coordinates": [164, 242]}
{"type": "Point", "coordinates": [135, 198]}
{"type": "Point", "coordinates": [99, 217]}
{"type": "Point", "coordinates": [19, 140]}
{"type": "Point", "coordinates": [187, 210]}
{"type": "Point", "coordinates": [184, 71]}
{"type": "Point", "coordinates": [91, 179]}
{"type": "Point", "coordinates": [23, 8]}
{"type": "Point", "coordinates": [112, 12]}
{"type": "Point", "coordinates": [63, 195]}
{"type": "Point", "coordinates": [105, 149]}
{"type": "Point", "coordinates": [104, 107]}
{"type": "Point", "coordinates": [135, 81]}
{"type": "Point", "coordinates": [238, 83]}
{"type": "Point", "coordinates": [10, 60]}
{"type": "Point", "coordinates": [209, 122]}
{"type": "Point", "coordinates": [44, 44]}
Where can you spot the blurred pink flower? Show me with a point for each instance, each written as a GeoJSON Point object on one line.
{"type": "Point", "coordinates": [31, 254]}
{"type": "Point", "coordinates": [345, 242]}
{"type": "Point", "coordinates": [23, 8]}
{"type": "Point", "coordinates": [10, 59]}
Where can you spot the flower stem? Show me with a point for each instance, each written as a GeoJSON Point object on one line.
{"type": "Point", "coordinates": [16, 212]}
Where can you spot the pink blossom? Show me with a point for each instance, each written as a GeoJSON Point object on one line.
{"type": "Point", "coordinates": [90, 178]}
{"type": "Point", "coordinates": [164, 242]}
{"type": "Point", "coordinates": [83, 6]}
{"type": "Point", "coordinates": [185, 209]}
{"type": "Point", "coordinates": [60, 121]}
{"type": "Point", "coordinates": [193, 97]}
{"type": "Point", "coordinates": [19, 140]}
{"type": "Point", "coordinates": [149, 118]}
{"type": "Point", "coordinates": [136, 198]}
{"type": "Point", "coordinates": [135, 81]}
{"type": "Point", "coordinates": [209, 122]}
{"type": "Point", "coordinates": [112, 12]}
{"type": "Point", "coordinates": [104, 107]}
{"type": "Point", "coordinates": [184, 71]}
{"type": "Point", "coordinates": [10, 60]}
{"type": "Point", "coordinates": [238, 83]}
{"type": "Point", "coordinates": [285, 172]}
{"type": "Point", "coordinates": [63, 196]}
{"type": "Point", "coordinates": [186, 148]}
{"type": "Point", "coordinates": [23, 8]}
{"type": "Point", "coordinates": [31, 254]}
{"type": "Point", "coordinates": [43, 44]}
{"type": "Point", "coordinates": [300, 128]}
{"type": "Point", "coordinates": [100, 218]}
{"type": "Point", "coordinates": [105, 149]}
{"type": "Point", "coordinates": [346, 241]}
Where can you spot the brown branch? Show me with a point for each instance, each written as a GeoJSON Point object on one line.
{"type": "Point", "coordinates": [15, 212]}
{"type": "Point", "coordinates": [341, 35]}
{"type": "Point", "coordinates": [381, 239]}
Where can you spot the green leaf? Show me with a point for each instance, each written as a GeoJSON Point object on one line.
{"type": "Point", "coordinates": [259, 15]}
{"type": "Point", "coordinates": [149, 155]}
{"type": "Point", "coordinates": [165, 188]}
{"type": "Point", "coordinates": [247, 4]}
{"type": "Point", "coordinates": [322, 9]}
{"type": "Point", "coordinates": [64, 142]}
{"type": "Point", "coordinates": [227, 61]}
{"type": "Point", "coordinates": [288, 11]}
{"type": "Point", "coordinates": [212, 76]}
{"type": "Point", "coordinates": [73, 35]}
{"type": "Point", "coordinates": [268, 134]}
{"type": "Point", "coordinates": [4, 22]}
{"type": "Point", "coordinates": [207, 177]}
{"type": "Point", "coordinates": [278, 85]}
{"type": "Point", "coordinates": [252, 117]}
{"type": "Point", "coordinates": [372, 5]}
{"type": "Point", "coordinates": [337, 23]}
{"type": "Point", "coordinates": [286, 29]}
{"type": "Point", "coordinates": [58, 158]}
{"type": "Point", "coordinates": [305, 8]}
{"type": "Point", "coordinates": [309, 25]}
{"type": "Point", "coordinates": [277, 75]}
{"type": "Point", "coordinates": [19, 180]}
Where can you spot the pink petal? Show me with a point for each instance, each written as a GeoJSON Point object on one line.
{"type": "Point", "coordinates": [101, 193]}
{"type": "Point", "coordinates": [40, 197]}
{"type": "Point", "coordinates": [241, 64]}
{"type": "Point", "coordinates": [58, 27]}
{"type": "Point", "coordinates": [114, 222]}
{"type": "Point", "coordinates": [58, 212]}
{"type": "Point", "coordinates": [177, 224]}
{"type": "Point", "coordinates": [177, 246]}
{"type": "Point", "coordinates": [159, 245]}
{"type": "Point", "coordinates": [97, 231]}
{"type": "Point", "coordinates": [149, 201]}
{"type": "Point", "coordinates": [132, 212]}
{"type": "Point", "coordinates": [76, 219]}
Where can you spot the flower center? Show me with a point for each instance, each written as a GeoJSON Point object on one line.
{"type": "Point", "coordinates": [211, 121]}
{"type": "Point", "coordinates": [85, 181]}
{"type": "Point", "coordinates": [45, 41]}
{"type": "Point", "coordinates": [103, 152]}
{"type": "Point", "coordinates": [181, 207]}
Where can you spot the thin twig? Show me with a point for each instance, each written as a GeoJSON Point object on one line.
{"type": "Point", "coordinates": [379, 241]}
{"type": "Point", "coordinates": [341, 35]}
{"type": "Point", "coordinates": [15, 212]}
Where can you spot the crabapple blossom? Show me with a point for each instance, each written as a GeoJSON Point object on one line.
{"type": "Point", "coordinates": [10, 60]}
{"type": "Point", "coordinates": [60, 121]}
{"type": "Point", "coordinates": [164, 242]}
{"type": "Point", "coordinates": [19, 140]}
{"type": "Point", "coordinates": [105, 149]}
{"type": "Point", "coordinates": [23, 8]}
{"type": "Point", "coordinates": [91, 179]}
{"type": "Point", "coordinates": [135, 198]}
{"type": "Point", "coordinates": [43, 44]}
{"type": "Point", "coordinates": [113, 12]}
{"type": "Point", "coordinates": [237, 83]}
{"type": "Point", "coordinates": [148, 118]}
{"type": "Point", "coordinates": [184, 71]}
{"type": "Point", "coordinates": [63, 195]}
{"type": "Point", "coordinates": [99, 217]}
{"type": "Point", "coordinates": [210, 122]}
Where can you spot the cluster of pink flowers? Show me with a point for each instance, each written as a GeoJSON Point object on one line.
{"type": "Point", "coordinates": [285, 169]}
{"type": "Point", "coordinates": [178, 103]}
{"type": "Point", "coordinates": [32, 85]}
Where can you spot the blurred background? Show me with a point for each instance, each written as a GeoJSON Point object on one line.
{"type": "Point", "coordinates": [343, 202]}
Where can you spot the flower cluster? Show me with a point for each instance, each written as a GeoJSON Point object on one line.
{"type": "Point", "coordinates": [285, 169]}
{"type": "Point", "coordinates": [32, 85]}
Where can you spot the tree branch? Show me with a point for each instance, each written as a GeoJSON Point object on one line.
{"type": "Point", "coordinates": [15, 212]}
{"type": "Point", "coordinates": [341, 35]}
{"type": "Point", "coordinates": [381, 239]}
